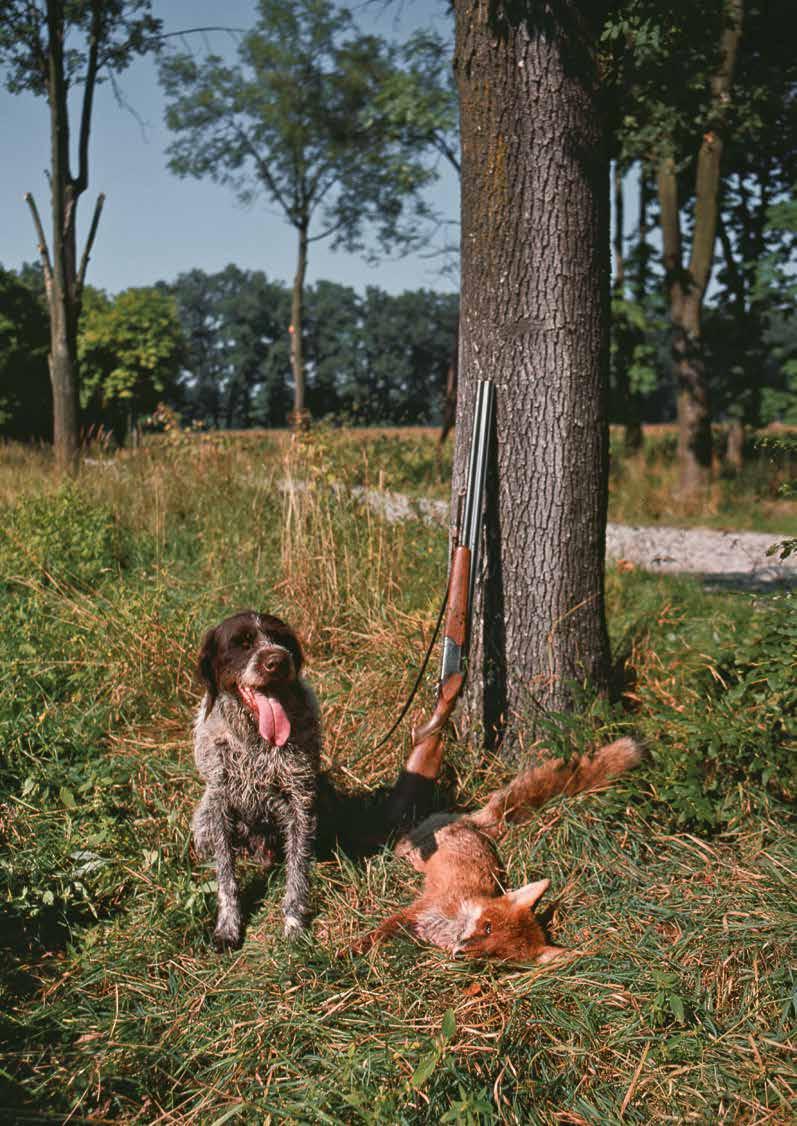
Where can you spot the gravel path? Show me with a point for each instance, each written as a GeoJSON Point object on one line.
{"type": "Point", "coordinates": [725, 559]}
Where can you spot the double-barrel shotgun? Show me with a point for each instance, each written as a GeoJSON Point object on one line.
{"type": "Point", "coordinates": [427, 738]}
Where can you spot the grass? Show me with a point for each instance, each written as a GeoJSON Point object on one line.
{"type": "Point", "coordinates": [674, 888]}
{"type": "Point", "coordinates": [643, 487]}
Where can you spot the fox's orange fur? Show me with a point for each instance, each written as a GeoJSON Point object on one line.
{"type": "Point", "coordinates": [463, 907]}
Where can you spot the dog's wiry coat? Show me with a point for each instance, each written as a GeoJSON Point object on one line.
{"type": "Point", "coordinates": [255, 789]}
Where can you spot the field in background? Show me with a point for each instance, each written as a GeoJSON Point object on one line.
{"type": "Point", "coordinates": [675, 887]}
{"type": "Point", "coordinates": [643, 487]}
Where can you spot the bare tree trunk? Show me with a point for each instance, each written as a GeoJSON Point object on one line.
{"type": "Point", "coordinates": [734, 452]}
{"type": "Point", "coordinates": [450, 396]}
{"type": "Point", "coordinates": [749, 314]}
{"type": "Point", "coordinates": [63, 278]}
{"type": "Point", "coordinates": [534, 318]}
{"type": "Point", "coordinates": [626, 403]}
{"type": "Point", "coordinates": [687, 286]}
{"type": "Point", "coordinates": [634, 438]}
{"type": "Point", "coordinates": [63, 377]}
{"type": "Point", "coordinates": [300, 417]}
{"type": "Point", "coordinates": [619, 227]}
{"type": "Point", "coordinates": [63, 322]}
{"type": "Point", "coordinates": [695, 442]}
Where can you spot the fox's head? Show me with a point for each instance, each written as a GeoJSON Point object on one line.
{"type": "Point", "coordinates": [505, 928]}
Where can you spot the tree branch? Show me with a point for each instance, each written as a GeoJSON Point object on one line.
{"type": "Point", "coordinates": [82, 181]}
{"type": "Point", "coordinates": [195, 30]}
{"type": "Point", "coordinates": [263, 169]}
{"type": "Point", "coordinates": [709, 157]}
{"type": "Point", "coordinates": [759, 219]}
{"type": "Point", "coordinates": [329, 231]}
{"type": "Point", "coordinates": [734, 277]}
{"type": "Point", "coordinates": [443, 147]}
{"type": "Point", "coordinates": [84, 261]}
{"type": "Point", "coordinates": [670, 228]}
{"type": "Point", "coordinates": [316, 180]}
{"type": "Point", "coordinates": [43, 251]}
{"type": "Point", "coordinates": [619, 224]}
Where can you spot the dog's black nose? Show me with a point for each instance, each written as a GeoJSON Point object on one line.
{"type": "Point", "coordinates": [276, 663]}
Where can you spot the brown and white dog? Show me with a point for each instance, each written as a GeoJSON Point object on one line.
{"type": "Point", "coordinates": [257, 744]}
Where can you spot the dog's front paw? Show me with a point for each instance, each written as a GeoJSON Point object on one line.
{"type": "Point", "coordinates": [294, 925]}
{"type": "Point", "coordinates": [228, 933]}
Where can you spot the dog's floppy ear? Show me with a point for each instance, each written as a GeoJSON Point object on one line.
{"type": "Point", "coordinates": [206, 667]}
{"type": "Point", "coordinates": [293, 645]}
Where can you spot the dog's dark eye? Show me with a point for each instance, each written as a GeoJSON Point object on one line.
{"type": "Point", "coordinates": [488, 928]}
{"type": "Point", "coordinates": [246, 640]}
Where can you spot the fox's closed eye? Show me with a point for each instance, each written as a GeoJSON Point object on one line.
{"type": "Point", "coordinates": [488, 928]}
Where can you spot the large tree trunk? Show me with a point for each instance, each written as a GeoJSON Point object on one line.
{"type": "Point", "coordinates": [300, 417]}
{"type": "Point", "coordinates": [695, 442]}
{"type": "Point", "coordinates": [534, 318]}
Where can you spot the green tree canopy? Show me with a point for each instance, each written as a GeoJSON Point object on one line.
{"type": "Point", "coordinates": [130, 349]}
{"type": "Point", "coordinates": [236, 369]}
{"type": "Point", "coordinates": [372, 358]}
{"type": "Point", "coordinates": [25, 398]}
{"type": "Point", "coordinates": [706, 102]}
{"type": "Point", "coordinates": [298, 121]}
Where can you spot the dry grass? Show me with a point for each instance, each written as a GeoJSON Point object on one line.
{"type": "Point", "coordinates": [678, 1005]}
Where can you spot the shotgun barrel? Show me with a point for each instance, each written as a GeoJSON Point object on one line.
{"type": "Point", "coordinates": [455, 639]}
{"type": "Point", "coordinates": [477, 476]}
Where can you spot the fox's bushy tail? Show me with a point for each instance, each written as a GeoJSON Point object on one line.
{"type": "Point", "coordinates": [514, 804]}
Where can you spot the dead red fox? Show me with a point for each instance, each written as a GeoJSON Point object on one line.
{"type": "Point", "coordinates": [463, 907]}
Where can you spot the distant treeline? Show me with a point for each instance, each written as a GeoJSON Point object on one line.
{"type": "Point", "coordinates": [215, 348]}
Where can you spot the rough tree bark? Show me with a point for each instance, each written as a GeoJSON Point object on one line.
{"type": "Point", "coordinates": [686, 286]}
{"type": "Point", "coordinates": [534, 318]}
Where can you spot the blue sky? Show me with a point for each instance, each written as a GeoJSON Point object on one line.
{"type": "Point", "coordinates": [154, 225]}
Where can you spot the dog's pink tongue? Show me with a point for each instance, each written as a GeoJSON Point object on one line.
{"type": "Point", "coordinates": [273, 722]}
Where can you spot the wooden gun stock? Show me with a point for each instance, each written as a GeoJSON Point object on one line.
{"type": "Point", "coordinates": [427, 740]}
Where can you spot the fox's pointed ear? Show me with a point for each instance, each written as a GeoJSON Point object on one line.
{"type": "Point", "coordinates": [527, 896]}
{"type": "Point", "coordinates": [549, 953]}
